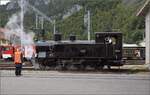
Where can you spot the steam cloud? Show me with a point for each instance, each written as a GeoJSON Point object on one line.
{"type": "Point", "coordinates": [13, 33]}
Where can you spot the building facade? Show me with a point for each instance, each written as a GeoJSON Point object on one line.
{"type": "Point", "coordinates": [147, 37]}
{"type": "Point", "coordinates": [145, 11]}
{"type": "Point", "coordinates": [3, 41]}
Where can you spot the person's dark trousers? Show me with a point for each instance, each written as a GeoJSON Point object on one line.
{"type": "Point", "coordinates": [18, 69]}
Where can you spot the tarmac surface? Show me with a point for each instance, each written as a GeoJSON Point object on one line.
{"type": "Point", "coordinates": [73, 83]}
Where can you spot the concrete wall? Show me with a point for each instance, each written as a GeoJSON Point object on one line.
{"type": "Point", "coordinates": [148, 38]}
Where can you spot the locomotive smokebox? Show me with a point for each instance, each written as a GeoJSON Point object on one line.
{"type": "Point", "coordinates": [72, 37]}
{"type": "Point", "coordinates": [57, 37]}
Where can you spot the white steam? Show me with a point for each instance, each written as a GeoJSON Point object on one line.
{"type": "Point", "coordinates": [15, 34]}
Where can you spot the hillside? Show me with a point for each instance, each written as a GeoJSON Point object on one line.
{"type": "Point", "coordinates": [106, 15]}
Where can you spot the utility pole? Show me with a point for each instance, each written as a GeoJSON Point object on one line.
{"type": "Point", "coordinates": [36, 21]}
{"type": "Point", "coordinates": [88, 28]}
{"type": "Point", "coordinates": [42, 23]}
{"type": "Point", "coordinates": [54, 23]}
{"type": "Point", "coordinates": [21, 24]}
{"type": "Point", "coordinates": [0, 19]}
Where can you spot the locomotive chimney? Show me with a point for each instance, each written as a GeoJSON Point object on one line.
{"type": "Point", "coordinates": [57, 37]}
{"type": "Point", "coordinates": [72, 37]}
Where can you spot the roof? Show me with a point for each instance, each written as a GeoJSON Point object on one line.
{"type": "Point", "coordinates": [51, 42]}
{"type": "Point", "coordinates": [132, 45]}
{"type": "Point", "coordinates": [144, 10]}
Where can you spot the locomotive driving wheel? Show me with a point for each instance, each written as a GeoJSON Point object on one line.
{"type": "Point", "coordinates": [109, 67]}
{"type": "Point", "coordinates": [101, 67]}
{"type": "Point", "coordinates": [42, 66]}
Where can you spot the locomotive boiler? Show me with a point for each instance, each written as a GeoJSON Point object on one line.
{"type": "Point", "coordinates": [105, 50]}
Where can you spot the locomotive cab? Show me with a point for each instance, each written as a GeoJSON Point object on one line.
{"type": "Point", "coordinates": [113, 42]}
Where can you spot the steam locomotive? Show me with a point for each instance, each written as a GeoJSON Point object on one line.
{"type": "Point", "coordinates": [105, 50]}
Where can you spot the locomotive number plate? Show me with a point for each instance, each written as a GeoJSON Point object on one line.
{"type": "Point", "coordinates": [42, 54]}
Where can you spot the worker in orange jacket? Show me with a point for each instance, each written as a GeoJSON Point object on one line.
{"type": "Point", "coordinates": [18, 62]}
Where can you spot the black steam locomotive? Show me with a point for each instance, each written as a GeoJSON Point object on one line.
{"type": "Point", "coordinates": [105, 50]}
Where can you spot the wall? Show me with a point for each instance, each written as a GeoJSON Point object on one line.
{"type": "Point", "coordinates": [147, 38]}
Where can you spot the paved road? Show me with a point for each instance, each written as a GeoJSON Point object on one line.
{"type": "Point", "coordinates": [62, 83]}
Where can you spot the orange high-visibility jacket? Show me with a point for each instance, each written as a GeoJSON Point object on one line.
{"type": "Point", "coordinates": [18, 57]}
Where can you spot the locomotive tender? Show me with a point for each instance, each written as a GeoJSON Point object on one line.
{"type": "Point", "coordinates": [105, 50]}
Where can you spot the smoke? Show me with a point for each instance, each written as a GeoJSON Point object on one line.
{"type": "Point", "coordinates": [15, 34]}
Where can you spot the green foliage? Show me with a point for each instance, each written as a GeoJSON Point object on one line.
{"type": "Point", "coordinates": [72, 25]}
{"type": "Point", "coordinates": [106, 15]}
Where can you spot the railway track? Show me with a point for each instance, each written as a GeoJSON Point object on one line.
{"type": "Point", "coordinates": [135, 62]}
{"type": "Point", "coordinates": [12, 67]}
{"type": "Point", "coordinates": [28, 66]}
{"type": "Point", "coordinates": [9, 65]}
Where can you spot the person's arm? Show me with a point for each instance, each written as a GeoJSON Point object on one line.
{"type": "Point", "coordinates": [22, 58]}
